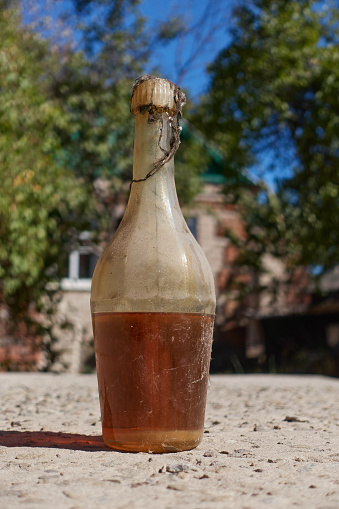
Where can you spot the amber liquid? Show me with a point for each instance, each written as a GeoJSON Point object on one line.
{"type": "Point", "coordinates": [152, 375]}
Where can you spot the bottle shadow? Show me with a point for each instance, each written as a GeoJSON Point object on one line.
{"type": "Point", "coordinates": [52, 440]}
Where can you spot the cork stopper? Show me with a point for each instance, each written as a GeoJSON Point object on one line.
{"type": "Point", "coordinates": [153, 91]}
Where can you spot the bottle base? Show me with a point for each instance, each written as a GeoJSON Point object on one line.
{"type": "Point", "coordinates": [152, 441]}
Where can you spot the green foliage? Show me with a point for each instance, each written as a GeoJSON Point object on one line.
{"type": "Point", "coordinates": [96, 132]}
{"type": "Point", "coordinates": [37, 193]}
{"type": "Point", "coordinates": [171, 29]}
{"type": "Point", "coordinates": [65, 121]}
{"type": "Point", "coordinates": [114, 31]}
{"type": "Point", "coordinates": [191, 160]}
{"type": "Point", "coordinates": [274, 93]}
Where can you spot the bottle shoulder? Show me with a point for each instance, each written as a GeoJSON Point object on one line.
{"type": "Point", "coordinates": [160, 264]}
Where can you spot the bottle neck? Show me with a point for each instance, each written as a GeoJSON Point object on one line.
{"type": "Point", "coordinates": [151, 142]}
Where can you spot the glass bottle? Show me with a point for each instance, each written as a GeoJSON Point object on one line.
{"type": "Point", "coordinates": [153, 298]}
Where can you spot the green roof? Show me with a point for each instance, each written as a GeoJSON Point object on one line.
{"type": "Point", "coordinates": [217, 172]}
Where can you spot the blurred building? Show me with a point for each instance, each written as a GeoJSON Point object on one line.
{"type": "Point", "coordinates": [209, 211]}
{"type": "Point", "coordinates": [272, 330]}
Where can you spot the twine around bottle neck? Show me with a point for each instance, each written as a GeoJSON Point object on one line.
{"type": "Point", "coordinates": [156, 113]}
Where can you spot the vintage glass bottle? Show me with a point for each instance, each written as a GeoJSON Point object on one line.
{"type": "Point", "coordinates": [153, 298]}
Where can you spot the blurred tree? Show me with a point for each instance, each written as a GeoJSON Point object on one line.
{"type": "Point", "coordinates": [99, 47]}
{"type": "Point", "coordinates": [191, 33]}
{"type": "Point", "coordinates": [37, 193]}
{"type": "Point", "coordinates": [274, 97]}
{"type": "Point", "coordinates": [103, 46]}
{"type": "Point", "coordinates": [64, 124]}
{"type": "Point", "coordinates": [116, 42]}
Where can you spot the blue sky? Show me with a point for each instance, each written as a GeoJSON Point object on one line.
{"type": "Point", "coordinates": [199, 47]}
{"type": "Point", "coordinates": [183, 61]}
{"type": "Point", "coordinates": [205, 21]}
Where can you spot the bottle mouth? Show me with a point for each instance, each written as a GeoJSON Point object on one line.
{"type": "Point", "coordinates": [156, 96]}
{"type": "Point", "coordinates": [154, 92]}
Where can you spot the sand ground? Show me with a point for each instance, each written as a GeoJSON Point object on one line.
{"type": "Point", "coordinates": [270, 441]}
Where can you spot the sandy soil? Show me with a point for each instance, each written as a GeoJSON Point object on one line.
{"type": "Point", "coordinates": [270, 441]}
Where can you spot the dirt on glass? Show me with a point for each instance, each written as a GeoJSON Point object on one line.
{"type": "Point", "coordinates": [152, 375]}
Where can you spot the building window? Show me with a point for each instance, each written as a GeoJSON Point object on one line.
{"type": "Point", "coordinates": [192, 223]}
{"type": "Point", "coordinates": [87, 263]}
{"type": "Point", "coordinates": [81, 265]}
{"type": "Point", "coordinates": [332, 335]}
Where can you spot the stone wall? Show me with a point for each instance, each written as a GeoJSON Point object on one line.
{"type": "Point", "coordinates": [73, 330]}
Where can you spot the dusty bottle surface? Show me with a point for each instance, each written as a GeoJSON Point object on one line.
{"type": "Point", "coordinates": [153, 300]}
